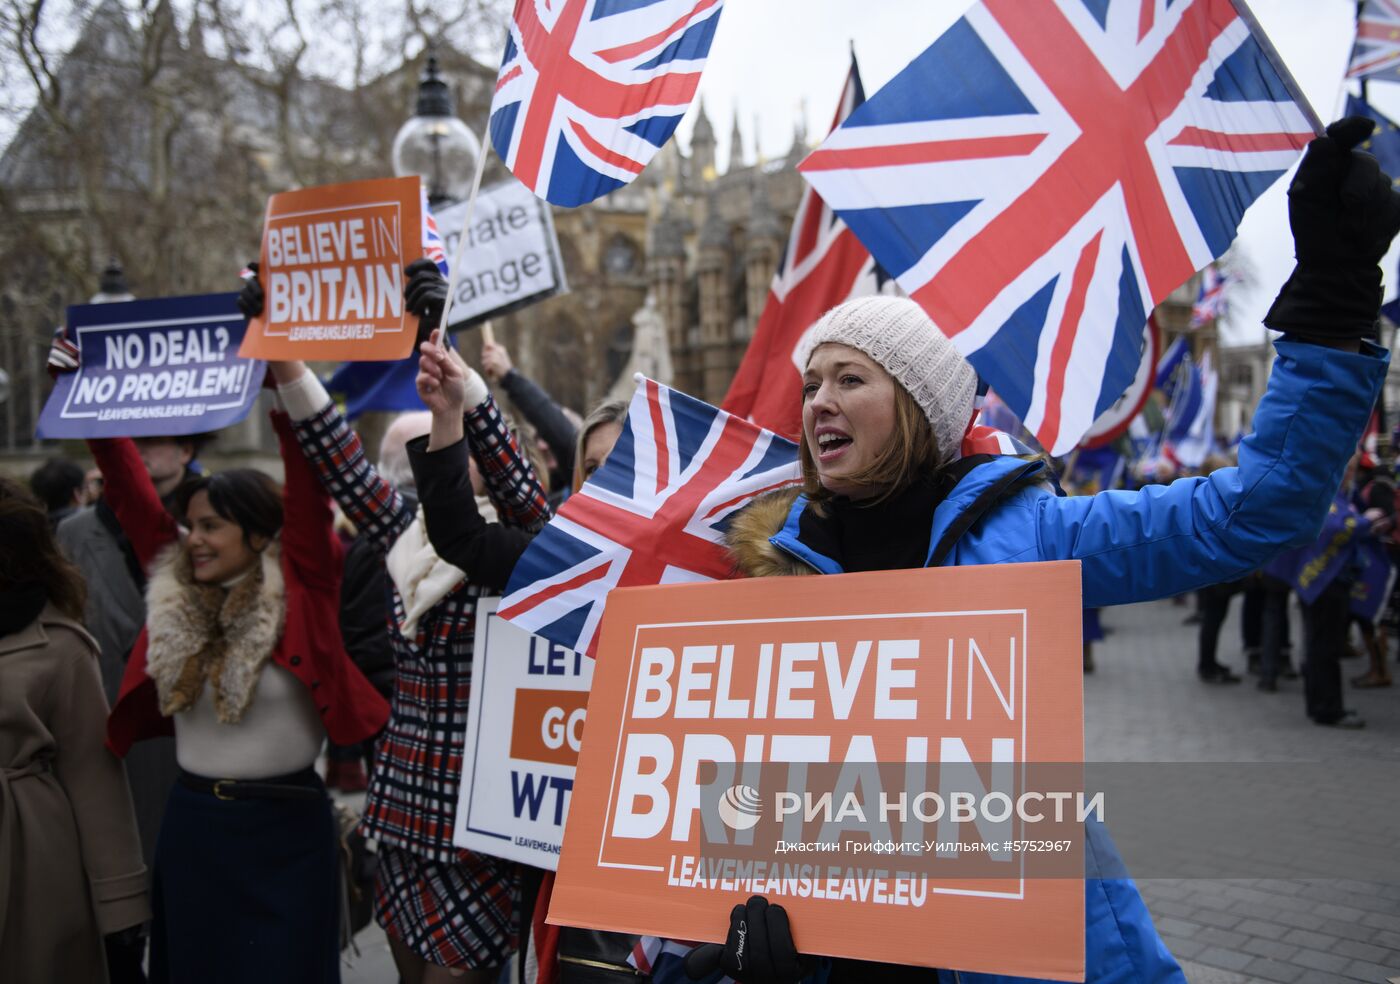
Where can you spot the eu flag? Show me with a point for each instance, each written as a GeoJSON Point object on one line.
{"type": "Point", "coordinates": [1384, 144]}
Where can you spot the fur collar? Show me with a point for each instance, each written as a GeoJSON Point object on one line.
{"type": "Point", "coordinates": [750, 529]}
{"type": "Point", "coordinates": [198, 633]}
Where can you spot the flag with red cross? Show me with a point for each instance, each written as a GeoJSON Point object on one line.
{"type": "Point", "coordinates": [1049, 170]}
{"type": "Point", "coordinates": [589, 90]}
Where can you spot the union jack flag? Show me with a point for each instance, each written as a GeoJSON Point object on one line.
{"type": "Point", "coordinates": [1211, 301]}
{"type": "Point", "coordinates": [1376, 53]}
{"type": "Point", "coordinates": [432, 242]}
{"type": "Point", "coordinates": [663, 961]}
{"type": "Point", "coordinates": [657, 510]}
{"type": "Point", "coordinates": [655, 513]}
{"type": "Point", "coordinates": [589, 90]}
{"type": "Point", "coordinates": [1048, 170]}
{"type": "Point", "coordinates": [823, 264]}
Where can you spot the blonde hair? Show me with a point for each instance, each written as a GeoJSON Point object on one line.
{"type": "Point", "coordinates": [608, 412]}
{"type": "Point", "coordinates": [911, 451]}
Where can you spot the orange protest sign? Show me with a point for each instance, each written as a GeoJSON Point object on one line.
{"type": "Point", "coordinates": [895, 757]}
{"type": "Point", "coordinates": [332, 269]}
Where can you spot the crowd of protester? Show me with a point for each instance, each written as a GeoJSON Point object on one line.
{"type": "Point", "coordinates": [232, 628]}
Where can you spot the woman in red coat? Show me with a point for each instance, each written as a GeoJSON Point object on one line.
{"type": "Point", "coordinates": [241, 657]}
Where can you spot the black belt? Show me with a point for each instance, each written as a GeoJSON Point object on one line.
{"type": "Point", "coordinates": [303, 785]}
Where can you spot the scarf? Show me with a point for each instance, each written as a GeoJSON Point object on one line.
{"type": "Point", "coordinates": [206, 634]}
{"type": "Point", "coordinates": [420, 576]}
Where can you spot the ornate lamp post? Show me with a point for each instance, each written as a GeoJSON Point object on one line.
{"type": "Point", "coordinates": [435, 144]}
{"type": "Point", "coordinates": [113, 286]}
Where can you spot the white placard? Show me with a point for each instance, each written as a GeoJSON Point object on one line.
{"type": "Point", "coordinates": [524, 726]}
{"type": "Point", "coordinates": [511, 258]}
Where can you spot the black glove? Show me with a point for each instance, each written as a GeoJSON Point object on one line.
{"type": "Point", "coordinates": [759, 949]}
{"type": "Point", "coordinates": [126, 950]}
{"type": "Point", "coordinates": [426, 294]}
{"type": "Point", "coordinates": [250, 298]}
{"type": "Point", "coordinates": [1344, 213]}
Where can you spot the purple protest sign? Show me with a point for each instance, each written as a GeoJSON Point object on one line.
{"type": "Point", "coordinates": [154, 368]}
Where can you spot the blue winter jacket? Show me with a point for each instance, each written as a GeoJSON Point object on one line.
{"type": "Point", "coordinates": [1159, 541]}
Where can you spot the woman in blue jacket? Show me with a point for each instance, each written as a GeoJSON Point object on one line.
{"type": "Point", "coordinates": [886, 400]}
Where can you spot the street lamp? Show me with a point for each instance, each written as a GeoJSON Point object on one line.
{"type": "Point", "coordinates": [113, 286]}
{"type": "Point", "coordinates": [434, 144]}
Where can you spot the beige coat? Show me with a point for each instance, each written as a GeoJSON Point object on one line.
{"type": "Point", "coordinates": [70, 859]}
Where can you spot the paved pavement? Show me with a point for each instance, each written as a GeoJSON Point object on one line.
{"type": "Point", "coordinates": [1144, 704]}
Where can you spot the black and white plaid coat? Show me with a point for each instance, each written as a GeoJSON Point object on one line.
{"type": "Point", "coordinates": [412, 796]}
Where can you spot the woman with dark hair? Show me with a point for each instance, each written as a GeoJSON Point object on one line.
{"type": "Point", "coordinates": [68, 845]}
{"type": "Point", "coordinates": [886, 402]}
{"type": "Point", "coordinates": [241, 657]}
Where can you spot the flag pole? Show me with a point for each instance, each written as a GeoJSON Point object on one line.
{"type": "Point", "coordinates": [1271, 53]}
{"type": "Point", "coordinates": [1361, 9]}
{"type": "Point", "coordinates": [454, 272]}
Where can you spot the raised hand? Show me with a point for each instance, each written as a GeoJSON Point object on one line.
{"type": "Point", "coordinates": [1344, 212]}
{"type": "Point", "coordinates": [441, 378]}
{"type": "Point", "coordinates": [250, 298]}
{"type": "Point", "coordinates": [495, 361]}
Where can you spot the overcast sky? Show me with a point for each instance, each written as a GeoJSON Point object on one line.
{"type": "Point", "coordinates": [773, 58]}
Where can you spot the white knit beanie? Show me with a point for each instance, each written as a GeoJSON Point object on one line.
{"type": "Point", "coordinates": [897, 334]}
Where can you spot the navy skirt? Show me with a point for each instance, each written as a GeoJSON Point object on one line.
{"type": "Point", "coordinates": [245, 890]}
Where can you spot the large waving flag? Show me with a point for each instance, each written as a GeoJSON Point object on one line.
{"type": "Point", "coordinates": [823, 264]}
{"type": "Point", "coordinates": [1376, 54]}
{"type": "Point", "coordinates": [1048, 170]}
{"type": "Point", "coordinates": [655, 513]}
{"type": "Point", "coordinates": [589, 90]}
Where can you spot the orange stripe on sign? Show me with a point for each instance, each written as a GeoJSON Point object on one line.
{"type": "Point", "coordinates": [548, 725]}
{"type": "Point", "coordinates": [929, 152]}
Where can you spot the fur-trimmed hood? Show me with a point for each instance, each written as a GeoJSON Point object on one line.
{"type": "Point", "coordinates": [202, 633]}
{"type": "Point", "coordinates": [749, 532]}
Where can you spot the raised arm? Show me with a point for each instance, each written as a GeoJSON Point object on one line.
{"type": "Point", "coordinates": [1163, 540]}
{"type": "Point", "coordinates": [441, 470]}
{"type": "Point", "coordinates": [128, 489]}
{"type": "Point", "coordinates": [1166, 539]}
{"type": "Point", "coordinates": [510, 478]}
{"type": "Point", "coordinates": [461, 404]}
{"type": "Point", "coordinates": [534, 404]}
{"type": "Point", "coordinates": [458, 532]}
{"type": "Point", "coordinates": [337, 458]}
{"type": "Point", "coordinates": [309, 543]}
